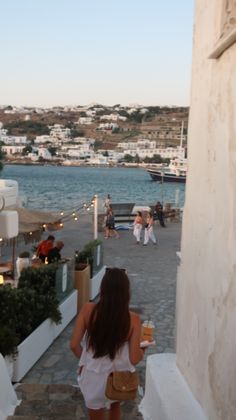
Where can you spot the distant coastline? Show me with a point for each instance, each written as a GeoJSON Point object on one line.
{"type": "Point", "coordinates": [74, 164]}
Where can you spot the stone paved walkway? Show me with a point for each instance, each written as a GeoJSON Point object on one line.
{"type": "Point", "coordinates": [152, 272]}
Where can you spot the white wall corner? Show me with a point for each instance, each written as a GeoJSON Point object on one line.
{"type": "Point", "coordinates": [167, 395]}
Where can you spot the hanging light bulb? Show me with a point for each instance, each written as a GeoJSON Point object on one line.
{"type": "Point", "coordinates": [44, 226]}
{"type": "Point", "coordinates": [31, 233]}
{"type": "Point", "coordinates": [62, 213]}
{"type": "Point", "coordinates": [75, 218]}
{"type": "Point", "coordinates": [61, 224]}
{"type": "Point", "coordinates": [73, 214]}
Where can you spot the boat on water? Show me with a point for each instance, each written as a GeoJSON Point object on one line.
{"type": "Point", "coordinates": [175, 172]}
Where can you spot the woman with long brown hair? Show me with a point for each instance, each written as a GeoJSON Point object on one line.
{"type": "Point", "coordinates": [106, 338]}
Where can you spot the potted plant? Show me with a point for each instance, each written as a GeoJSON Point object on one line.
{"type": "Point", "coordinates": [22, 262]}
{"type": "Point", "coordinates": [88, 255]}
{"type": "Point", "coordinates": [82, 277]}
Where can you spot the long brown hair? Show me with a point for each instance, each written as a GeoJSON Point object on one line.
{"type": "Point", "coordinates": [109, 322]}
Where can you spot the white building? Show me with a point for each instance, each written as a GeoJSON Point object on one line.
{"type": "Point", "coordinates": [98, 159]}
{"type": "Point", "coordinates": [112, 155]}
{"type": "Point", "coordinates": [122, 118]}
{"type": "Point", "coordinates": [14, 140]}
{"type": "Point", "coordinates": [107, 126]}
{"type": "Point", "coordinates": [78, 151]}
{"type": "Point", "coordinates": [12, 150]}
{"type": "Point", "coordinates": [147, 148]}
{"type": "Point", "coordinates": [42, 139]}
{"type": "Point", "coordinates": [91, 113]}
{"type": "Point", "coordinates": [200, 381]}
{"type": "Point", "coordinates": [84, 140]}
{"type": "Point", "coordinates": [85, 120]}
{"type": "Point", "coordinates": [109, 117]}
{"type": "Point", "coordinates": [44, 153]}
{"type": "Point", "coordinates": [58, 131]}
{"type": "Point", "coordinates": [139, 144]}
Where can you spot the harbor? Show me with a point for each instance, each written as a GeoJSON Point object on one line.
{"type": "Point", "coordinates": [74, 186]}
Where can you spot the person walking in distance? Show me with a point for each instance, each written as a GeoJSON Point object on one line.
{"type": "Point", "coordinates": [106, 337]}
{"type": "Point", "coordinates": [159, 214]}
{"type": "Point", "coordinates": [138, 225]}
{"type": "Point", "coordinates": [107, 202]}
{"type": "Point", "coordinates": [148, 232]}
{"type": "Point", "coordinates": [110, 229]}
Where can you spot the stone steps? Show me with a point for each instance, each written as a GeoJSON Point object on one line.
{"type": "Point", "coordinates": [56, 401]}
{"type": "Point", "coordinates": [39, 401]}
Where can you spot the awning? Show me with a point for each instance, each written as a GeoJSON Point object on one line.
{"type": "Point", "coordinates": [33, 222]}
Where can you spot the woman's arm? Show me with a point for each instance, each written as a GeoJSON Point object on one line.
{"type": "Point", "coordinates": [80, 328]}
{"type": "Point", "coordinates": [135, 352]}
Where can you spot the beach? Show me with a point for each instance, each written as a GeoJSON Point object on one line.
{"type": "Point", "coordinates": [152, 271]}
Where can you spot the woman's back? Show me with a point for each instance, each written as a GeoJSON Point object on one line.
{"type": "Point", "coordinates": [106, 338]}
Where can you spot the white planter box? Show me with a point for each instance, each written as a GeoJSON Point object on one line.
{"type": "Point", "coordinates": [95, 283]}
{"type": "Point", "coordinates": [32, 348]}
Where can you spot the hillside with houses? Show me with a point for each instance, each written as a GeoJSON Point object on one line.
{"type": "Point", "coordinates": [93, 134]}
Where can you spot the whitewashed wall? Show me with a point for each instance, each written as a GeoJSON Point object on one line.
{"type": "Point", "coordinates": [206, 289]}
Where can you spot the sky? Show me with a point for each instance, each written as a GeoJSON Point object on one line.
{"type": "Point", "coordinates": [74, 52]}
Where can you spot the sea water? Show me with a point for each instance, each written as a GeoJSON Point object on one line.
{"type": "Point", "coordinates": [58, 188]}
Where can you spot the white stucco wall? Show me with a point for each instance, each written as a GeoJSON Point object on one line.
{"type": "Point", "coordinates": [206, 286]}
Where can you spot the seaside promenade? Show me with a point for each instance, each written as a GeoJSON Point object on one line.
{"type": "Point", "coordinates": [152, 271]}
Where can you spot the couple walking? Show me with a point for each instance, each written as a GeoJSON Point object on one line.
{"type": "Point", "coordinates": [148, 231]}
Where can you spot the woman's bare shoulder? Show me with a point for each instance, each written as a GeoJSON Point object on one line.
{"type": "Point", "coordinates": [88, 306]}
{"type": "Point", "coordinates": [134, 317]}
{"type": "Point", "coordinates": [87, 309]}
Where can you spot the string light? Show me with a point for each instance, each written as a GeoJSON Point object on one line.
{"type": "Point", "coordinates": [84, 206]}
{"type": "Point", "coordinates": [1, 239]}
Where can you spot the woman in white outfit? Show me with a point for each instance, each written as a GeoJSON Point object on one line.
{"type": "Point", "coordinates": [138, 225]}
{"type": "Point", "coordinates": [106, 337]}
{"type": "Point", "coordinates": [148, 232]}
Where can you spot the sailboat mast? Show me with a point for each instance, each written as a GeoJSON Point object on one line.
{"type": "Point", "coordinates": [182, 135]}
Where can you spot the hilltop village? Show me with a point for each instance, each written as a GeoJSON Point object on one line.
{"type": "Point", "coordinates": [93, 134]}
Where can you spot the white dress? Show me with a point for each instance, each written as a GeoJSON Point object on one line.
{"type": "Point", "coordinates": [137, 231]}
{"type": "Point", "coordinates": [92, 380]}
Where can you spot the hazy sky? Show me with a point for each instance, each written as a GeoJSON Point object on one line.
{"type": "Point", "coordinates": [67, 52]}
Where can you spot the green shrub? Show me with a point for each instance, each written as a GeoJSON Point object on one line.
{"type": "Point", "coordinates": [8, 341]}
{"type": "Point", "coordinates": [43, 282]}
{"type": "Point", "coordinates": [23, 309]}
